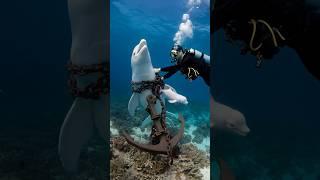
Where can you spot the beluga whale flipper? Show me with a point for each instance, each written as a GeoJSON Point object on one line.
{"type": "Point", "coordinates": [147, 93]}
{"type": "Point", "coordinates": [172, 96]}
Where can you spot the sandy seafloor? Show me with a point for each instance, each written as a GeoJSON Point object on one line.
{"type": "Point", "coordinates": [29, 150]}
{"type": "Point", "coordinates": [129, 162]}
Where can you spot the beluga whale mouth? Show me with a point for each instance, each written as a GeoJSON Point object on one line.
{"type": "Point", "coordinates": [142, 69]}
{"type": "Point", "coordinates": [141, 47]}
{"type": "Point", "coordinates": [141, 50]}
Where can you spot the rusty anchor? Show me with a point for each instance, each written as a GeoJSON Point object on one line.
{"type": "Point", "coordinates": [162, 142]}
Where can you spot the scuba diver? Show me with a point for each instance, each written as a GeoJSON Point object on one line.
{"type": "Point", "coordinates": [193, 63]}
{"type": "Point", "coordinates": [190, 62]}
{"type": "Point", "coordinates": [264, 26]}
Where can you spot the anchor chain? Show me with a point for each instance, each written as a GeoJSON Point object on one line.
{"type": "Point", "coordinates": [168, 138]}
{"type": "Point", "coordinates": [155, 86]}
{"type": "Point", "coordinates": [93, 90]}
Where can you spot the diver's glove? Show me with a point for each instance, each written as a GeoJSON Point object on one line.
{"type": "Point", "coordinates": [157, 70]}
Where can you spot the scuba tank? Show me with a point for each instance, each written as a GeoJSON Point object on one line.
{"type": "Point", "coordinates": [199, 55]}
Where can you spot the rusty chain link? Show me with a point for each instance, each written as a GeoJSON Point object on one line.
{"type": "Point", "coordinates": [155, 86]}
{"type": "Point", "coordinates": [93, 90]}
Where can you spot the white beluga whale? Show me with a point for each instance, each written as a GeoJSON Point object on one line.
{"type": "Point", "coordinates": [145, 83]}
{"type": "Point", "coordinates": [227, 119]}
{"type": "Point", "coordinates": [142, 70]}
{"type": "Point", "coordinates": [88, 25]}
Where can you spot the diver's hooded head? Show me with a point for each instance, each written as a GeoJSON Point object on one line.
{"type": "Point", "coordinates": [176, 53]}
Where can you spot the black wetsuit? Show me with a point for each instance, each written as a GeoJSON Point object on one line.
{"type": "Point", "coordinates": [296, 20]}
{"type": "Point", "coordinates": [190, 61]}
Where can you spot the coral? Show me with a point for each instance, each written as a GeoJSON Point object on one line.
{"type": "Point", "coordinates": [128, 161]}
{"type": "Point", "coordinates": [121, 119]}
{"type": "Point", "coordinates": [202, 131]}
{"type": "Point", "coordinates": [186, 139]}
{"type": "Point", "coordinates": [120, 144]}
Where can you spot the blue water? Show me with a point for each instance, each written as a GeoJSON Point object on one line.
{"type": "Point", "coordinates": [281, 105]}
{"type": "Point", "coordinates": [157, 22]}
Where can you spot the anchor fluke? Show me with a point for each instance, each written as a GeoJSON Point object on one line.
{"type": "Point", "coordinates": [162, 146]}
{"type": "Point", "coordinates": [165, 142]}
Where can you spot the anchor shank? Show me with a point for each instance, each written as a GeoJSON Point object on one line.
{"type": "Point", "coordinates": [151, 109]}
{"type": "Point", "coordinates": [157, 124]}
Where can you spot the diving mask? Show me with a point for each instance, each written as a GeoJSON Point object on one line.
{"type": "Point", "coordinates": [175, 52]}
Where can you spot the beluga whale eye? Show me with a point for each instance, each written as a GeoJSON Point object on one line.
{"type": "Point", "coordinates": [231, 125]}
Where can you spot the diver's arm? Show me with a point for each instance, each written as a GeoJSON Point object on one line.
{"type": "Point", "coordinates": [171, 70]}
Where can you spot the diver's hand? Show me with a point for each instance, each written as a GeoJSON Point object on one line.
{"type": "Point", "coordinates": [157, 70]}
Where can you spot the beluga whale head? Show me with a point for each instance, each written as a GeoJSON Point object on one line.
{"type": "Point", "coordinates": [228, 119]}
{"type": "Point", "coordinates": [142, 69]}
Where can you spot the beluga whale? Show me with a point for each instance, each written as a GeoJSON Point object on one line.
{"type": "Point", "coordinates": [227, 119]}
{"type": "Point", "coordinates": [89, 47]}
{"type": "Point", "coordinates": [150, 93]}
{"type": "Point", "coordinates": [142, 71]}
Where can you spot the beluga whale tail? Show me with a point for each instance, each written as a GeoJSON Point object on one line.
{"type": "Point", "coordinates": [88, 69]}
{"type": "Point", "coordinates": [84, 117]}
